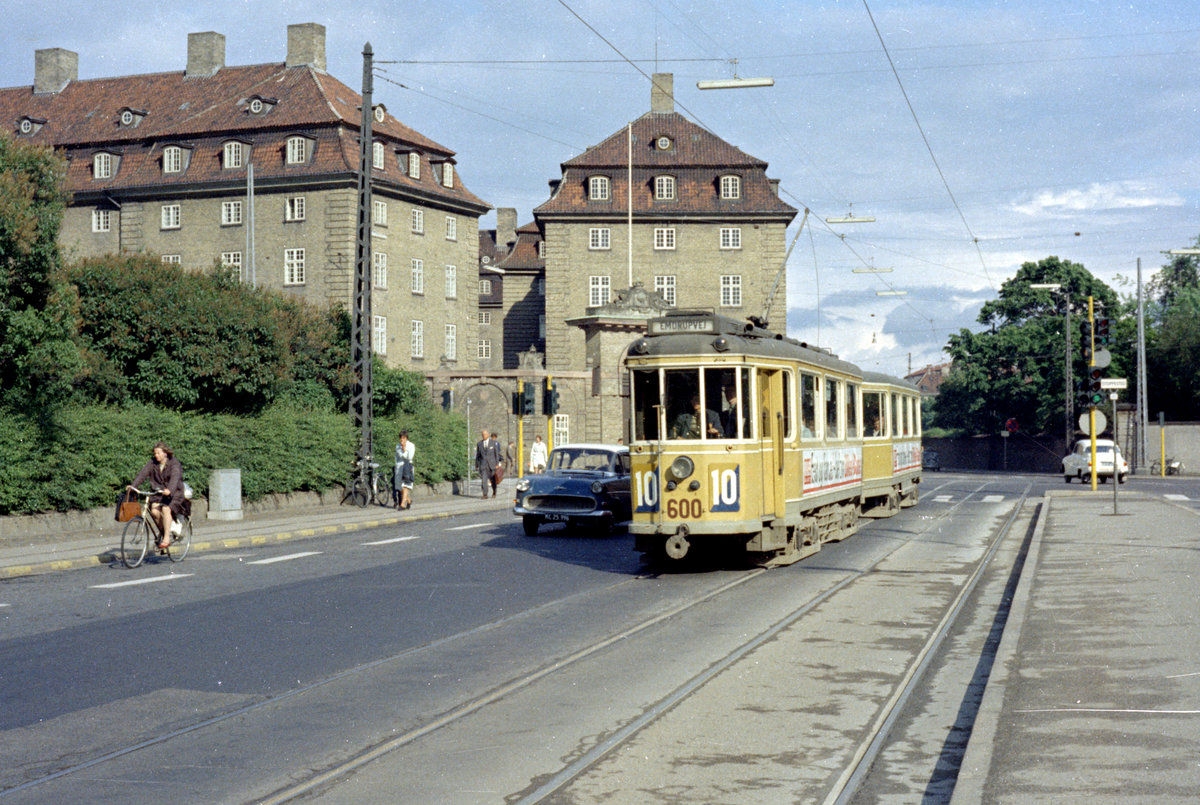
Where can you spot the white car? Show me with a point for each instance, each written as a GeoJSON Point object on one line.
{"type": "Point", "coordinates": [1078, 463]}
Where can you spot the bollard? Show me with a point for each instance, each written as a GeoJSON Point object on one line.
{"type": "Point", "coordinates": [225, 495]}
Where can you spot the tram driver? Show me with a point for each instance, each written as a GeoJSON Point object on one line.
{"type": "Point", "coordinates": [689, 425]}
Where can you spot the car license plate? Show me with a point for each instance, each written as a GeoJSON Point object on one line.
{"type": "Point", "coordinates": [556, 518]}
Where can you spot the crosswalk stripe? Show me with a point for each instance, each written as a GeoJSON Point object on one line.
{"type": "Point", "coordinates": [466, 527]}
{"type": "Point", "coordinates": [390, 541]}
{"type": "Point", "coordinates": [993, 498]}
{"type": "Point", "coordinates": [171, 577]}
{"type": "Point", "coordinates": [1176, 497]}
{"type": "Point", "coordinates": [943, 498]}
{"type": "Point", "coordinates": [286, 558]}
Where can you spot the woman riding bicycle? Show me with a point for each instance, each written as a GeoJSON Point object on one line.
{"type": "Point", "coordinates": [165, 475]}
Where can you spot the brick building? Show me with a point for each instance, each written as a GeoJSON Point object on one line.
{"type": "Point", "coordinates": [161, 163]}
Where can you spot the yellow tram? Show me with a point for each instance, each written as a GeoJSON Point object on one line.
{"type": "Point", "coordinates": [743, 438]}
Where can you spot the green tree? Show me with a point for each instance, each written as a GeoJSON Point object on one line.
{"type": "Point", "coordinates": [1014, 369]}
{"type": "Point", "coordinates": [38, 356]}
{"type": "Point", "coordinates": [1173, 338]}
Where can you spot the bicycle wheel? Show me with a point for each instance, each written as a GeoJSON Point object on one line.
{"type": "Point", "coordinates": [383, 491]}
{"type": "Point", "coordinates": [135, 539]}
{"type": "Point", "coordinates": [360, 495]}
{"type": "Point", "coordinates": [181, 544]}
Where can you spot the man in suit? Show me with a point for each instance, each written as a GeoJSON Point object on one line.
{"type": "Point", "coordinates": [488, 459]}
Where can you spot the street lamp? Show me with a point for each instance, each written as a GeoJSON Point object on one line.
{"type": "Point", "coordinates": [1055, 287]}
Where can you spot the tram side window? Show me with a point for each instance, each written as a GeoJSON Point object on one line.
{"type": "Point", "coordinates": [850, 402]}
{"type": "Point", "coordinates": [788, 432]}
{"type": "Point", "coordinates": [809, 388]}
{"type": "Point", "coordinates": [688, 415]}
{"type": "Point", "coordinates": [646, 399]}
{"type": "Point", "coordinates": [896, 431]}
{"type": "Point", "coordinates": [873, 414]}
{"type": "Point", "coordinates": [917, 428]}
{"type": "Point", "coordinates": [832, 387]}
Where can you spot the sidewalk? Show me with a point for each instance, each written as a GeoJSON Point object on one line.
{"type": "Point", "coordinates": [30, 554]}
{"type": "Point", "coordinates": [1094, 695]}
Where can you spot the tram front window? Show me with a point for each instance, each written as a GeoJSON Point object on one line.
{"type": "Point", "coordinates": [647, 400]}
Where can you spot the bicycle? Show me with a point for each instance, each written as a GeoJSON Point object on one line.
{"type": "Point", "coordinates": [141, 531]}
{"type": "Point", "coordinates": [375, 488]}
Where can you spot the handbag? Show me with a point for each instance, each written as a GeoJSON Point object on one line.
{"type": "Point", "coordinates": [499, 474]}
{"type": "Point", "coordinates": [128, 507]}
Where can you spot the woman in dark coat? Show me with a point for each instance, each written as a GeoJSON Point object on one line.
{"type": "Point", "coordinates": [165, 475]}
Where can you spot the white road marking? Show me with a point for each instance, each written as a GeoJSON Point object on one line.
{"type": "Point", "coordinates": [993, 498]}
{"type": "Point", "coordinates": [5, 605]}
{"type": "Point", "coordinates": [1176, 497]}
{"type": "Point", "coordinates": [286, 558]}
{"type": "Point", "coordinates": [466, 527]}
{"type": "Point", "coordinates": [171, 577]}
{"type": "Point", "coordinates": [390, 541]}
{"type": "Point", "coordinates": [943, 499]}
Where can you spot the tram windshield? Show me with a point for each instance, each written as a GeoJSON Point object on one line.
{"type": "Point", "coordinates": [708, 404]}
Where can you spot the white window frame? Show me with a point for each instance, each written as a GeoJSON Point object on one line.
{"type": "Point", "coordinates": [172, 259]}
{"type": "Point", "coordinates": [599, 290]}
{"type": "Point", "coordinates": [731, 290]}
{"type": "Point", "coordinates": [664, 188]}
{"type": "Point", "coordinates": [102, 166]}
{"type": "Point", "coordinates": [379, 213]}
{"type": "Point", "coordinates": [172, 159]}
{"type": "Point", "coordinates": [451, 342]}
{"type": "Point", "coordinates": [233, 260]}
{"type": "Point", "coordinates": [483, 349]}
{"type": "Point", "coordinates": [731, 187]}
{"type": "Point", "coordinates": [562, 429]}
{"type": "Point", "coordinates": [294, 209]}
{"type": "Point", "coordinates": [414, 165]}
{"type": "Point", "coordinates": [379, 334]}
{"type": "Point", "coordinates": [451, 228]}
{"type": "Point", "coordinates": [664, 286]}
{"type": "Point", "coordinates": [599, 188]}
{"type": "Point", "coordinates": [542, 249]}
{"type": "Point", "coordinates": [377, 156]}
{"type": "Point", "coordinates": [447, 174]}
{"type": "Point", "coordinates": [451, 282]}
{"type": "Point", "coordinates": [231, 213]}
{"type": "Point", "coordinates": [485, 287]}
{"type": "Point", "coordinates": [599, 238]}
{"type": "Point", "coordinates": [485, 317]}
{"type": "Point", "coordinates": [101, 220]}
{"type": "Point", "coordinates": [171, 216]}
{"type": "Point", "coordinates": [416, 341]}
{"type": "Point", "coordinates": [664, 238]}
{"type": "Point", "coordinates": [297, 150]}
{"type": "Point", "coordinates": [417, 267]}
{"type": "Point", "coordinates": [379, 269]}
{"type": "Point", "coordinates": [293, 266]}
{"type": "Point", "coordinates": [232, 155]}
{"type": "Point", "coordinates": [731, 237]}
{"type": "Point", "coordinates": [418, 222]}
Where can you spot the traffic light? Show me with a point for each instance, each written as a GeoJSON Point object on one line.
{"type": "Point", "coordinates": [516, 403]}
{"type": "Point", "coordinates": [528, 399]}
{"type": "Point", "coordinates": [1102, 333]}
{"type": "Point", "coordinates": [1095, 392]}
{"type": "Point", "coordinates": [550, 400]}
{"type": "Point", "coordinates": [1083, 395]}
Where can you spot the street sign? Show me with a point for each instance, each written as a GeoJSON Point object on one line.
{"type": "Point", "coordinates": [1085, 422]}
{"type": "Point", "coordinates": [1101, 359]}
{"type": "Point", "coordinates": [1113, 383]}
{"type": "Point", "coordinates": [1011, 425]}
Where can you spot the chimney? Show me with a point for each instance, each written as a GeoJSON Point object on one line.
{"type": "Point", "coordinates": [206, 54]}
{"type": "Point", "coordinates": [306, 45]}
{"type": "Point", "coordinates": [53, 69]}
{"type": "Point", "coordinates": [662, 93]}
{"type": "Point", "coordinates": [506, 226]}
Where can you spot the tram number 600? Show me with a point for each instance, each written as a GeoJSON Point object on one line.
{"type": "Point", "coordinates": [686, 508]}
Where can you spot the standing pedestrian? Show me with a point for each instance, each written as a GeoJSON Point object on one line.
{"type": "Point", "coordinates": [537, 456]}
{"type": "Point", "coordinates": [403, 474]}
{"type": "Point", "coordinates": [488, 462]}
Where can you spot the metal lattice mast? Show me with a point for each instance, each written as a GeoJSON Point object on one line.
{"type": "Point", "coordinates": [360, 320]}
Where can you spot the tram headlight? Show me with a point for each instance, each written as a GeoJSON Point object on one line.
{"type": "Point", "coordinates": [682, 467]}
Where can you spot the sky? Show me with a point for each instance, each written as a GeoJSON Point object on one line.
{"type": "Point", "coordinates": [979, 135]}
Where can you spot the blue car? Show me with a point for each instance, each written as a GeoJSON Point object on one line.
{"type": "Point", "coordinates": [583, 485]}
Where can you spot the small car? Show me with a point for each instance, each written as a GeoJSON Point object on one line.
{"type": "Point", "coordinates": [930, 461]}
{"type": "Point", "coordinates": [583, 485]}
{"type": "Point", "coordinates": [1078, 463]}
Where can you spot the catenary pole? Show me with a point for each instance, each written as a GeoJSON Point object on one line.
{"type": "Point", "coordinates": [360, 325]}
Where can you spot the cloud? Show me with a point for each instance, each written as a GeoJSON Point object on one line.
{"type": "Point", "coordinates": [1099, 196]}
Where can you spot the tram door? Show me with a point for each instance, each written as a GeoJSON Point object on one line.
{"type": "Point", "coordinates": [771, 428]}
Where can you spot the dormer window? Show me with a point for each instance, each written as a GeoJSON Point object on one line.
{"type": "Point", "coordinates": [598, 188]}
{"type": "Point", "coordinates": [414, 165]}
{"type": "Point", "coordinates": [664, 188]}
{"type": "Point", "coordinates": [130, 118]}
{"type": "Point", "coordinates": [731, 187]}
{"type": "Point", "coordinates": [663, 143]}
{"type": "Point", "coordinates": [103, 165]}
{"type": "Point", "coordinates": [380, 113]}
{"type": "Point", "coordinates": [127, 118]}
{"type": "Point", "coordinates": [447, 175]}
{"type": "Point", "coordinates": [233, 154]}
{"type": "Point", "coordinates": [377, 154]}
{"type": "Point", "coordinates": [25, 126]}
{"type": "Point", "coordinates": [172, 160]}
{"type": "Point", "coordinates": [297, 150]}
{"type": "Point", "coordinates": [259, 105]}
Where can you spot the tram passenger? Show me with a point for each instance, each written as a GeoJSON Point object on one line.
{"type": "Point", "coordinates": [730, 417]}
{"type": "Point", "coordinates": [689, 425]}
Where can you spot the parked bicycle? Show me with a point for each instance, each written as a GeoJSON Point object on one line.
{"type": "Point", "coordinates": [371, 486]}
{"type": "Point", "coordinates": [1174, 467]}
{"type": "Point", "coordinates": [141, 532]}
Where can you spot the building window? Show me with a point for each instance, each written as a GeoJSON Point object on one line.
{"type": "Point", "coordinates": [377, 156]}
{"type": "Point", "coordinates": [172, 259]}
{"type": "Point", "coordinates": [295, 209]}
{"type": "Point", "coordinates": [451, 342]}
{"type": "Point", "coordinates": [598, 237]}
{"type": "Point", "coordinates": [172, 159]}
{"type": "Point", "coordinates": [170, 216]}
{"type": "Point", "coordinates": [447, 175]}
{"type": "Point", "coordinates": [379, 335]}
{"type": "Point", "coordinates": [418, 275]}
{"type": "Point", "coordinates": [731, 237]}
{"type": "Point", "coordinates": [485, 287]}
{"type": "Point", "coordinates": [664, 188]}
{"type": "Point", "coordinates": [542, 249]}
{"type": "Point", "coordinates": [451, 228]}
{"type": "Point", "coordinates": [485, 317]}
{"type": "Point", "coordinates": [297, 150]}
{"type": "Point", "coordinates": [664, 285]}
{"type": "Point", "coordinates": [731, 187]}
{"type": "Point", "coordinates": [731, 290]}
{"type": "Point", "coordinates": [418, 222]}
{"type": "Point", "coordinates": [542, 325]}
{"type": "Point", "coordinates": [379, 269]}
{"type": "Point", "coordinates": [451, 282]}
{"type": "Point", "coordinates": [484, 350]}
{"type": "Point", "coordinates": [231, 213]}
{"type": "Point", "coordinates": [293, 266]}
{"type": "Point", "coordinates": [102, 166]}
{"type": "Point", "coordinates": [101, 220]}
{"type": "Point", "coordinates": [664, 238]}
{"type": "Point", "coordinates": [233, 155]}
{"type": "Point", "coordinates": [233, 262]}
{"type": "Point", "coordinates": [414, 166]}
{"type": "Point", "coordinates": [562, 428]}
{"type": "Point", "coordinates": [379, 213]}
{"type": "Point", "coordinates": [417, 340]}
{"type": "Point", "coordinates": [598, 188]}
{"type": "Point", "coordinates": [599, 290]}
